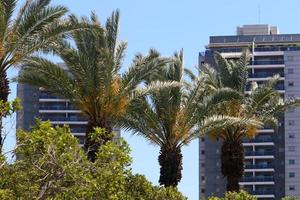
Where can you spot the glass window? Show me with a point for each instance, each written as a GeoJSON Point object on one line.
{"type": "Point", "coordinates": [291, 187]}
{"type": "Point", "coordinates": [291, 135]}
{"type": "Point", "coordinates": [290, 83]}
{"type": "Point", "coordinates": [291, 162]}
{"type": "Point", "coordinates": [291, 122]}
{"type": "Point", "coordinates": [292, 174]}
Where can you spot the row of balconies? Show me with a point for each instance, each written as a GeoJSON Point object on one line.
{"type": "Point", "coordinates": [259, 49]}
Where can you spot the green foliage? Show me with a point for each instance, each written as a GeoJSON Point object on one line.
{"type": "Point", "coordinates": [51, 165]}
{"type": "Point", "coordinates": [7, 108]}
{"type": "Point", "coordinates": [290, 198]}
{"type": "Point", "coordinates": [242, 195]}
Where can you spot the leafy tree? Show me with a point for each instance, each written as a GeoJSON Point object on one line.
{"type": "Point", "coordinates": [168, 117]}
{"type": "Point", "coordinates": [35, 27]}
{"type": "Point", "coordinates": [249, 111]}
{"type": "Point", "coordinates": [242, 195]}
{"type": "Point", "coordinates": [290, 198]}
{"type": "Point", "coordinates": [51, 165]}
{"type": "Point", "coordinates": [91, 78]}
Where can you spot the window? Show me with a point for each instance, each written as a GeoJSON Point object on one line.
{"type": "Point", "coordinates": [291, 84]}
{"type": "Point", "coordinates": [291, 187]}
{"type": "Point", "coordinates": [290, 58]}
{"type": "Point", "coordinates": [291, 162]}
{"type": "Point", "coordinates": [290, 70]}
{"type": "Point", "coordinates": [291, 135]}
{"type": "Point", "coordinates": [291, 148]}
{"type": "Point", "coordinates": [202, 139]}
{"type": "Point", "coordinates": [292, 174]}
{"type": "Point", "coordinates": [202, 190]}
{"type": "Point", "coordinates": [202, 152]}
{"type": "Point", "coordinates": [291, 122]}
{"type": "Point", "coordinates": [202, 164]}
{"type": "Point", "coordinates": [202, 178]}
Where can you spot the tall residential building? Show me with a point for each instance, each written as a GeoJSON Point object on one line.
{"type": "Point", "coordinates": [272, 159]}
{"type": "Point", "coordinates": [38, 103]}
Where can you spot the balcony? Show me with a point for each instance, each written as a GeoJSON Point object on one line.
{"type": "Point", "coordinates": [259, 153]}
{"type": "Point", "coordinates": [262, 192]}
{"type": "Point", "coordinates": [53, 107]}
{"type": "Point", "coordinates": [78, 130]}
{"type": "Point", "coordinates": [257, 179]}
{"type": "Point", "coordinates": [265, 74]}
{"type": "Point", "coordinates": [259, 166]}
{"type": "Point", "coordinates": [260, 139]}
{"type": "Point", "coordinates": [63, 119]}
{"type": "Point", "coordinates": [266, 62]}
{"type": "Point", "coordinates": [259, 49]}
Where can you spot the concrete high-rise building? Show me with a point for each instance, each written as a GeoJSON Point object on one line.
{"type": "Point", "coordinates": [272, 159]}
{"type": "Point", "coordinates": [41, 104]}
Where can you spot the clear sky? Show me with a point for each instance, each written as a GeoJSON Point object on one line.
{"type": "Point", "coordinates": [169, 26]}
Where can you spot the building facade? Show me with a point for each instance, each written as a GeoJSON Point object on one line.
{"type": "Point", "coordinates": [40, 104]}
{"type": "Point", "coordinates": [272, 159]}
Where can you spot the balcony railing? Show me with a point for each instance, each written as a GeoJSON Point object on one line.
{"type": "Point", "coordinates": [78, 130]}
{"type": "Point", "coordinates": [257, 179]}
{"type": "Point", "coordinates": [266, 62]}
{"type": "Point", "coordinates": [259, 49]}
{"type": "Point", "coordinates": [260, 139]}
{"type": "Point", "coordinates": [262, 192]}
{"type": "Point", "coordinates": [57, 107]}
{"type": "Point", "coordinates": [259, 166]}
{"type": "Point", "coordinates": [265, 74]}
{"type": "Point", "coordinates": [48, 96]}
{"type": "Point", "coordinates": [259, 153]}
{"type": "Point", "coordinates": [277, 87]}
{"type": "Point", "coordinates": [72, 119]}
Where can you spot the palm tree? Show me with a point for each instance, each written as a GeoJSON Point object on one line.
{"type": "Point", "coordinates": [36, 27]}
{"type": "Point", "coordinates": [92, 79]}
{"type": "Point", "coordinates": [168, 117]}
{"type": "Point", "coordinates": [259, 108]}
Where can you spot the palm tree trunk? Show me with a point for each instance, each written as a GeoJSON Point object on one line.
{"type": "Point", "coordinates": [170, 160]}
{"type": "Point", "coordinates": [92, 146]}
{"type": "Point", "coordinates": [232, 163]}
{"type": "Point", "coordinates": [4, 92]}
{"type": "Point", "coordinates": [4, 87]}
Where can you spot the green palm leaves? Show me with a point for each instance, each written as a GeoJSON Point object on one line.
{"type": "Point", "coordinates": [241, 116]}
{"type": "Point", "coordinates": [36, 27]}
{"type": "Point", "coordinates": [91, 76]}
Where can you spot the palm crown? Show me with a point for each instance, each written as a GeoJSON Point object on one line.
{"type": "Point", "coordinates": [169, 118]}
{"type": "Point", "coordinates": [36, 27]}
{"type": "Point", "coordinates": [91, 78]}
{"type": "Point", "coordinates": [246, 112]}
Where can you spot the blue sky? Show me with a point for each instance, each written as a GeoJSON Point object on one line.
{"type": "Point", "coordinates": [169, 26]}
